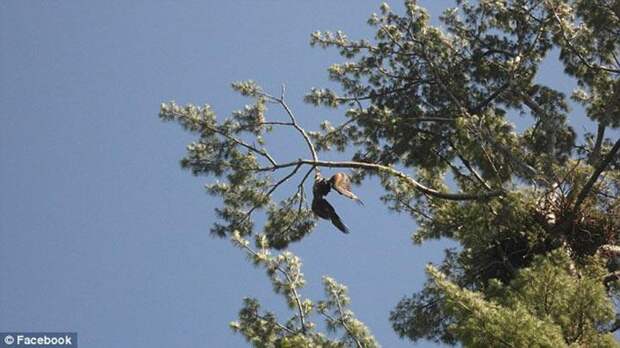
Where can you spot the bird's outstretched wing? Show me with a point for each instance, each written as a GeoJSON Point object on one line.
{"type": "Point", "coordinates": [324, 210]}
{"type": "Point", "coordinates": [342, 183]}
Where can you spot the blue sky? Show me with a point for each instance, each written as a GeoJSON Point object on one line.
{"type": "Point", "coordinates": [101, 232]}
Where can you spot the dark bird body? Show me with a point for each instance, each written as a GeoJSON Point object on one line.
{"type": "Point", "coordinates": [321, 207]}
{"type": "Point", "coordinates": [324, 210]}
{"type": "Point", "coordinates": [321, 187]}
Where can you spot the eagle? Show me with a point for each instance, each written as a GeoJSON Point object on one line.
{"type": "Point", "coordinates": [321, 207]}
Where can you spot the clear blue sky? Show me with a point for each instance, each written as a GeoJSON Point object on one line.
{"type": "Point", "coordinates": [101, 232]}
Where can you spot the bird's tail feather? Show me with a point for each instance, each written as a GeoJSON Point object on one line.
{"type": "Point", "coordinates": [339, 224]}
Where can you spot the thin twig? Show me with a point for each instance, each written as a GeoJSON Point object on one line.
{"type": "Point", "coordinates": [270, 123]}
{"type": "Point", "coordinates": [275, 186]}
{"type": "Point", "coordinates": [300, 130]}
{"type": "Point", "coordinates": [293, 122]}
{"type": "Point", "coordinates": [292, 332]}
{"type": "Point", "coordinates": [271, 190]}
{"type": "Point", "coordinates": [413, 209]}
{"type": "Point", "coordinates": [300, 191]}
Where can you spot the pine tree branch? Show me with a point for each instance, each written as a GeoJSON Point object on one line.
{"type": "Point", "coordinates": [300, 310]}
{"type": "Point", "coordinates": [599, 170]}
{"type": "Point", "coordinates": [531, 103]}
{"type": "Point", "coordinates": [573, 49]}
{"type": "Point", "coordinates": [609, 250]}
{"type": "Point", "coordinates": [335, 320]}
{"type": "Point", "coordinates": [489, 99]}
{"type": "Point", "coordinates": [341, 320]}
{"type": "Point", "coordinates": [613, 276]}
{"type": "Point", "coordinates": [473, 171]}
{"type": "Point", "coordinates": [468, 165]}
{"type": "Point", "coordinates": [413, 210]}
{"type": "Point", "coordinates": [344, 324]}
{"type": "Point", "coordinates": [455, 169]}
{"type": "Point", "coordinates": [235, 140]}
{"type": "Point", "coordinates": [296, 298]}
{"type": "Point", "coordinates": [278, 324]}
{"type": "Point", "coordinates": [271, 190]}
{"type": "Point", "coordinates": [596, 150]}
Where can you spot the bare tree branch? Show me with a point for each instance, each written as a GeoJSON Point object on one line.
{"type": "Point", "coordinates": [293, 122]}
{"type": "Point", "coordinates": [284, 179]}
{"type": "Point", "coordinates": [390, 171]}
{"type": "Point", "coordinates": [271, 123]}
{"type": "Point", "coordinates": [316, 163]}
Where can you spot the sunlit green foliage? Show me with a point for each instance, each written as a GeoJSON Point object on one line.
{"type": "Point", "coordinates": [429, 110]}
{"type": "Point", "coordinates": [543, 306]}
{"type": "Point", "coordinates": [284, 271]}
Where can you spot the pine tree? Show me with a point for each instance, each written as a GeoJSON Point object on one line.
{"type": "Point", "coordinates": [536, 213]}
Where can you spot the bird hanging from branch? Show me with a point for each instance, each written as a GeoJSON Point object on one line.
{"type": "Point", "coordinates": [322, 186]}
